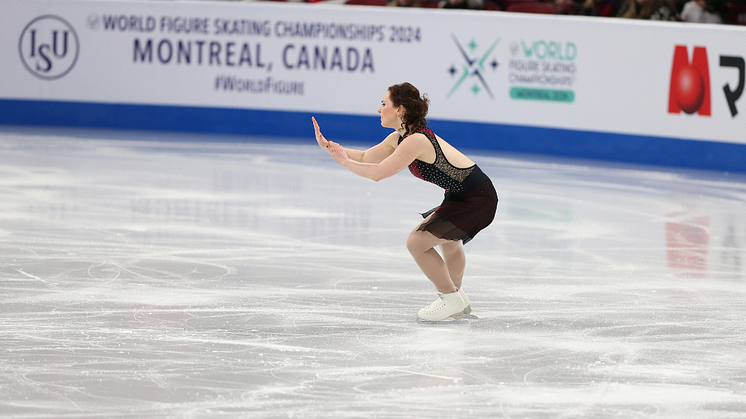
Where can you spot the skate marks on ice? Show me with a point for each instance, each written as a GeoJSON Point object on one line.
{"type": "Point", "coordinates": [187, 279]}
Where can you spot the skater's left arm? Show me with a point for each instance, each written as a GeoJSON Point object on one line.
{"type": "Point", "coordinates": [404, 154]}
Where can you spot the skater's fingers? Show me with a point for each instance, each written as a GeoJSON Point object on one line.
{"type": "Point", "coordinates": [319, 136]}
{"type": "Point", "coordinates": [316, 126]}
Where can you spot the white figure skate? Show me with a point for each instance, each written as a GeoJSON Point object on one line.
{"type": "Point", "coordinates": [447, 305]}
{"type": "Point", "coordinates": [467, 305]}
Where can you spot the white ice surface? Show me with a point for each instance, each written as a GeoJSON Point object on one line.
{"type": "Point", "coordinates": [146, 277]}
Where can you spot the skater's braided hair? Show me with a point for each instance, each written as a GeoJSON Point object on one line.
{"type": "Point", "coordinates": [415, 106]}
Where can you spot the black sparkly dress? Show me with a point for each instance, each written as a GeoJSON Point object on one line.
{"type": "Point", "coordinates": [470, 200]}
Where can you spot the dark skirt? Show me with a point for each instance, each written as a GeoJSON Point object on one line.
{"type": "Point", "coordinates": [463, 214]}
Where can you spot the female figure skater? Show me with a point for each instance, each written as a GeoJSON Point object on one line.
{"type": "Point", "coordinates": [470, 199]}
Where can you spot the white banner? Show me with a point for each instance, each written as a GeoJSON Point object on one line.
{"type": "Point", "coordinates": [591, 74]}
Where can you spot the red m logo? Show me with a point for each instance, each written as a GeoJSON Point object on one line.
{"type": "Point", "coordinates": [690, 82]}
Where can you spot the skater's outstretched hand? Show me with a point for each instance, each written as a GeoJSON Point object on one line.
{"type": "Point", "coordinates": [323, 143]}
{"type": "Point", "coordinates": [338, 152]}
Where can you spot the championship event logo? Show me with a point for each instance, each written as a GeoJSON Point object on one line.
{"type": "Point", "coordinates": [543, 70]}
{"type": "Point", "coordinates": [473, 67]}
{"type": "Point", "coordinates": [49, 47]}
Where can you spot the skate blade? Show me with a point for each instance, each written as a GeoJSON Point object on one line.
{"type": "Point", "coordinates": [463, 315]}
{"type": "Point", "coordinates": [456, 318]}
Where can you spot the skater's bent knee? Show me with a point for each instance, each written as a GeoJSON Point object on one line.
{"type": "Point", "coordinates": [419, 242]}
{"type": "Point", "coordinates": [412, 244]}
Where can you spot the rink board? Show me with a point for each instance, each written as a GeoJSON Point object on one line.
{"type": "Point", "coordinates": [511, 138]}
{"type": "Point", "coordinates": [660, 93]}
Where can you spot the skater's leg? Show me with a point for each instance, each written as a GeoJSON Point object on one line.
{"type": "Point", "coordinates": [450, 303]}
{"type": "Point", "coordinates": [455, 260]}
{"type": "Point", "coordinates": [421, 244]}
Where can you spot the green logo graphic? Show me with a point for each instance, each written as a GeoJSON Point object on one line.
{"type": "Point", "coordinates": [549, 50]}
{"type": "Point", "coordinates": [543, 70]}
{"type": "Point", "coordinates": [551, 95]}
{"type": "Point", "coordinates": [473, 67]}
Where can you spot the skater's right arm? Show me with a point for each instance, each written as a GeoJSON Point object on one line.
{"type": "Point", "coordinates": [378, 152]}
{"type": "Point", "coordinates": [375, 154]}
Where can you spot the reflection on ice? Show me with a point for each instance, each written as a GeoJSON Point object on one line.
{"type": "Point", "coordinates": [148, 277]}
{"type": "Point", "coordinates": [686, 242]}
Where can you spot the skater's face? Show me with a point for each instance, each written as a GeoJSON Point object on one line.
{"type": "Point", "coordinates": [390, 115]}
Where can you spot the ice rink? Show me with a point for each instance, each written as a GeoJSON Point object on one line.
{"type": "Point", "coordinates": [162, 276]}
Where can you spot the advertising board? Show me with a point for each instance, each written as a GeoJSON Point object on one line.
{"type": "Point", "coordinates": [513, 81]}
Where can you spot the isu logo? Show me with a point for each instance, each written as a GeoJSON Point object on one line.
{"type": "Point", "coordinates": [690, 82]}
{"type": "Point", "coordinates": [48, 47]}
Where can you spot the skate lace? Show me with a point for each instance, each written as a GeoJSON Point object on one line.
{"type": "Point", "coordinates": [436, 305]}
